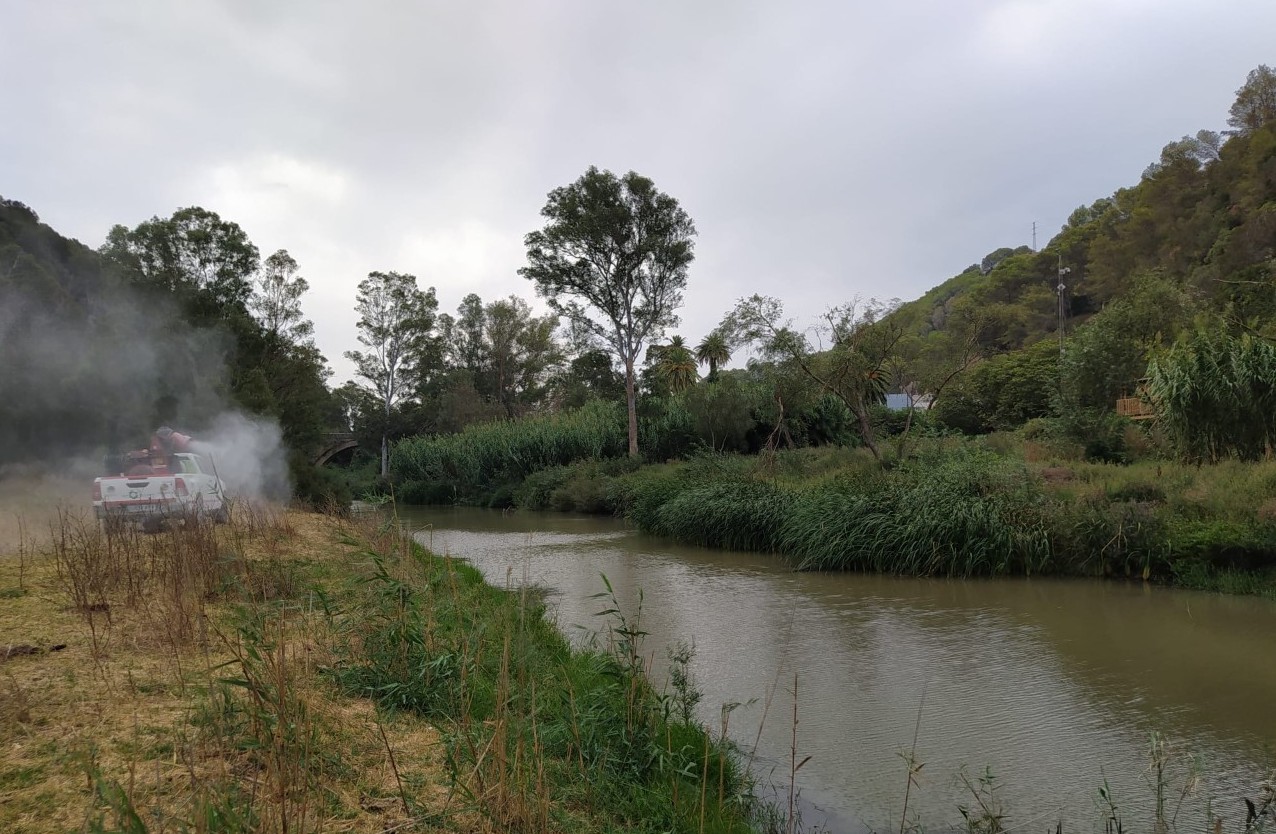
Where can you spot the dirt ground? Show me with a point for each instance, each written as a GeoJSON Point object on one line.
{"type": "Point", "coordinates": [30, 498]}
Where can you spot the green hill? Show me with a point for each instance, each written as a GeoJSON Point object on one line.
{"type": "Point", "coordinates": [1193, 240]}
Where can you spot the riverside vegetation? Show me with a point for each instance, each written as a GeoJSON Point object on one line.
{"type": "Point", "coordinates": [1022, 466]}
{"type": "Point", "coordinates": [295, 673]}
{"type": "Point", "coordinates": [1011, 503]}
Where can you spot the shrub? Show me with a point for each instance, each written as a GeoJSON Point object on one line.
{"type": "Point", "coordinates": [744, 515]}
{"type": "Point", "coordinates": [535, 490]}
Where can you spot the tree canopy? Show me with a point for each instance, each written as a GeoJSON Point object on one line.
{"type": "Point", "coordinates": [396, 328]}
{"type": "Point", "coordinates": [613, 258]}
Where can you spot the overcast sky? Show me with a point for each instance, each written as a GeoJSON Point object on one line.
{"type": "Point", "coordinates": [825, 150]}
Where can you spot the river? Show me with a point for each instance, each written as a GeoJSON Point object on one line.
{"type": "Point", "coordinates": [1052, 686]}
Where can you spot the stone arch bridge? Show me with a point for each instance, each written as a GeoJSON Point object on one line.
{"type": "Point", "coordinates": [333, 444]}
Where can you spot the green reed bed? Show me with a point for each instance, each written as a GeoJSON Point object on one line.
{"type": "Point", "coordinates": [969, 516]}
{"type": "Point", "coordinates": [485, 463]}
{"type": "Point", "coordinates": [966, 512]}
{"type": "Point", "coordinates": [494, 457]}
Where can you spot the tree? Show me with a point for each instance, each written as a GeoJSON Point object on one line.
{"type": "Point", "coordinates": [1107, 356]}
{"type": "Point", "coordinates": [591, 375]}
{"type": "Point", "coordinates": [1003, 392]}
{"type": "Point", "coordinates": [853, 368]}
{"type": "Point", "coordinates": [1255, 103]}
{"type": "Point", "coordinates": [723, 415]}
{"type": "Point", "coordinates": [193, 253]}
{"type": "Point", "coordinates": [676, 364]}
{"type": "Point", "coordinates": [396, 322]}
{"type": "Point", "coordinates": [521, 349]}
{"type": "Point", "coordinates": [505, 352]}
{"type": "Point", "coordinates": [463, 341]}
{"type": "Point", "coordinates": [277, 301]}
{"type": "Point", "coordinates": [714, 351]}
{"type": "Point", "coordinates": [613, 259]}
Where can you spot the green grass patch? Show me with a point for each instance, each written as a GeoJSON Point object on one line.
{"type": "Point", "coordinates": [546, 734]}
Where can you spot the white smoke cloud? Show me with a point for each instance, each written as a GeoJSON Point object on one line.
{"type": "Point", "coordinates": [248, 454]}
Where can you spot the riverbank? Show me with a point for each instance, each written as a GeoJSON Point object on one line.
{"type": "Point", "coordinates": [1055, 685]}
{"type": "Point", "coordinates": [954, 507]}
{"type": "Point", "coordinates": [298, 672]}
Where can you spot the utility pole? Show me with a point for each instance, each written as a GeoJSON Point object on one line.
{"type": "Point", "coordinates": [1061, 289]}
{"type": "Point", "coordinates": [1034, 235]}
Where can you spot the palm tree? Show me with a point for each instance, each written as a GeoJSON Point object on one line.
{"type": "Point", "coordinates": [713, 351]}
{"type": "Point", "coordinates": [676, 364]}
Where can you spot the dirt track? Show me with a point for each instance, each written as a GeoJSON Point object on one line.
{"type": "Point", "coordinates": [30, 498]}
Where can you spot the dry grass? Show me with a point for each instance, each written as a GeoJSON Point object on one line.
{"type": "Point", "coordinates": [134, 700]}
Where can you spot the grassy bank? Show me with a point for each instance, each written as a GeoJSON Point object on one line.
{"type": "Point", "coordinates": [296, 672]}
{"type": "Point", "coordinates": [1007, 504]}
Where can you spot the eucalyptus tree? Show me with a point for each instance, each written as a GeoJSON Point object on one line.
{"type": "Point", "coordinates": [396, 324]}
{"type": "Point", "coordinates": [194, 252]}
{"type": "Point", "coordinates": [276, 300]}
{"type": "Point", "coordinates": [506, 352]}
{"type": "Point", "coordinates": [612, 258]}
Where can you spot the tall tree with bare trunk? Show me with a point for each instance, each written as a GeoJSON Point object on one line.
{"type": "Point", "coordinates": [612, 258]}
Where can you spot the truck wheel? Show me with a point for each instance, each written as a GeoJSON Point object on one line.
{"type": "Point", "coordinates": [222, 516]}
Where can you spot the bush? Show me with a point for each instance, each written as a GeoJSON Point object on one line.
{"type": "Point", "coordinates": [1139, 491]}
{"type": "Point", "coordinates": [890, 422]}
{"type": "Point", "coordinates": [1224, 544]}
{"type": "Point", "coordinates": [1095, 536]}
{"type": "Point", "coordinates": [317, 486]}
{"type": "Point", "coordinates": [535, 490]}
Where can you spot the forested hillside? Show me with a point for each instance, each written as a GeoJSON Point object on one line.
{"type": "Point", "coordinates": [1193, 240]}
{"type": "Point", "coordinates": [175, 321]}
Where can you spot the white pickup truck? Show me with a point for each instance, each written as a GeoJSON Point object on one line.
{"type": "Point", "coordinates": [183, 488]}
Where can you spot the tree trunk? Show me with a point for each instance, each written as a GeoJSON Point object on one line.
{"type": "Point", "coordinates": [632, 403]}
{"type": "Point", "coordinates": [385, 455]}
{"type": "Point", "coordinates": [866, 432]}
{"type": "Point", "coordinates": [908, 424]}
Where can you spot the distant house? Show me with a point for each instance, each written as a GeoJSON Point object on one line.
{"type": "Point", "coordinates": [904, 401]}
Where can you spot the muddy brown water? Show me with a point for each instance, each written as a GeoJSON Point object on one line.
{"type": "Point", "coordinates": [1052, 686]}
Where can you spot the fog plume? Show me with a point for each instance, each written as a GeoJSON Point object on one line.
{"type": "Point", "coordinates": [91, 366]}
{"type": "Point", "coordinates": [248, 454]}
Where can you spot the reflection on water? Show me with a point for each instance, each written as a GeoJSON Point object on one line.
{"type": "Point", "coordinates": [1053, 685]}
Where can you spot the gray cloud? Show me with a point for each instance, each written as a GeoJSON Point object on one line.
{"type": "Point", "coordinates": [825, 150]}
